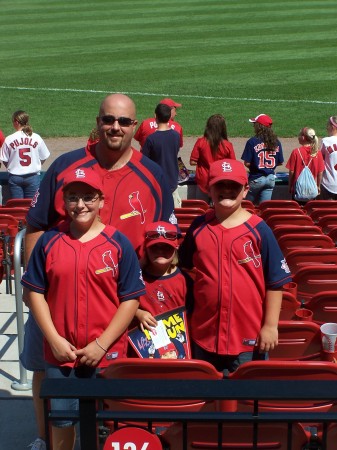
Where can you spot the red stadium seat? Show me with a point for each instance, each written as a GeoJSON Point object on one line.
{"type": "Point", "coordinates": [324, 307]}
{"type": "Point", "coordinates": [314, 279]}
{"type": "Point", "coordinates": [288, 306]}
{"type": "Point", "coordinates": [281, 230]}
{"type": "Point", "coordinates": [235, 436]}
{"type": "Point", "coordinates": [327, 222]}
{"type": "Point", "coordinates": [313, 204]}
{"type": "Point", "coordinates": [298, 341]}
{"type": "Point", "coordinates": [194, 203]}
{"type": "Point", "coordinates": [293, 241]}
{"type": "Point", "coordinates": [302, 257]}
{"type": "Point", "coordinates": [318, 213]}
{"type": "Point", "coordinates": [138, 368]}
{"type": "Point", "coordinates": [278, 204]}
{"type": "Point", "coordinates": [18, 202]}
{"type": "Point", "coordinates": [189, 210]}
{"type": "Point", "coordinates": [333, 235]}
{"type": "Point", "coordinates": [289, 219]}
{"type": "Point", "coordinates": [268, 212]}
{"type": "Point", "coordinates": [18, 212]}
{"type": "Point", "coordinates": [287, 370]}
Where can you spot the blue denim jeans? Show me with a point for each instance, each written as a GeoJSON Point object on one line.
{"type": "Point", "coordinates": [67, 404]}
{"type": "Point", "coordinates": [261, 188]}
{"type": "Point", "coordinates": [23, 186]}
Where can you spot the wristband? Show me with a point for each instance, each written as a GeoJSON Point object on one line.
{"type": "Point", "coordinates": [99, 345]}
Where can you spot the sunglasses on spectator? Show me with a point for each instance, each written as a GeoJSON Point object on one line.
{"type": "Point", "coordinates": [88, 199]}
{"type": "Point", "coordinates": [169, 235]}
{"type": "Point", "coordinates": [123, 121]}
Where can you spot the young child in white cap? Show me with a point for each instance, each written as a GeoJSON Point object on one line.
{"type": "Point", "coordinates": [240, 271]}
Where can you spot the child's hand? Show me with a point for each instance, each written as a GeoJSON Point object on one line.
{"type": "Point", "coordinates": [90, 355]}
{"type": "Point", "coordinates": [63, 350]}
{"type": "Point", "coordinates": [268, 338]}
{"type": "Point", "coordinates": [146, 320]}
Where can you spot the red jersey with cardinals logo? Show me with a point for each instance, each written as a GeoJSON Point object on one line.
{"type": "Point", "coordinates": [149, 126]}
{"type": "Point", "coordinates": [83, 284]}
{"type": "Point", "coordinates": [166, 292]}
{"type": "Point", "coordinates": [134, 195]}
{"type": "Point", "coordinates": [233, 269]}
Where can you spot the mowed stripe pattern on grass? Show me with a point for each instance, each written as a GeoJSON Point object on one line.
{"type": "Point", "coordinates": [235, 57]}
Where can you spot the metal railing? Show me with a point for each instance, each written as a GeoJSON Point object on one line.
{"type": "Point", "coordinates": [91, 391]}
{"type": "Point", "coordinates": [23, 384]}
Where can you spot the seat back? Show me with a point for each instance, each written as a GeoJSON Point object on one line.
{"type": "Point", "coordinates": [318, 213]}
{"type": "Point", "coordinates": [235, 436]}
{"type": "Point", "coordinates": [186, 218]}
{"type": "Point", "coordinates": [268, 212]}
{"type": "Point", "coordinates": [278, 204]}
{"type": "Point", "coordinates": [18, 212]}
{"type": "Point", "coordinates": [194, 203]}
{"type": "Point", "coordinates": [138, 368]}
{"type": "Point", "coordinates": [314, 279]}
{"type": "Point", "coordinates": [287, 370]}
{"type": "Point", "coordinates": [18, 202]}
{"type": "Point", "coordinates": [288, 306]}
{"type": "Point", "coordinates": [6, 220]}
{"type": "Point", "coordinates": [302, 257]}
{"type": "Point", "coordinates": [189, 210]}
{"type": "Point", "coordinates": [289, 219]}
{"type": "Point", "coordinates": [333, 234]}
{"type": "Point", "coordinates": [297, 341]}
{"type": "Point", "coordinates": [327, 222]}
{"type": "Point", "coordinates": [324, 307]}
{"type": "Point", "coordinates": [314, 204]}
{"type": "Point", "coordinates": [281, 230]}
{"type": "Point", "coordinates": [293, 241]}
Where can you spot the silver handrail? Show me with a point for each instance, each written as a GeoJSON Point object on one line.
{"type": "Point", "coordinates": [23, 384]}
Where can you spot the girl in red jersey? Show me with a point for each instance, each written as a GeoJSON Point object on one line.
{"type": "Point", "coordinates": [212, 146]}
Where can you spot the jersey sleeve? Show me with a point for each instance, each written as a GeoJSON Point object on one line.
{"type": "Point", "coordinates": [130, 282]}
{"type": "Point", "coordinates": [195, 151]}
{"type": "Point", "coordinates": [280, 158]}
{"type": "Point", "coordinates": [4, 153]}
{"type": "Point", "coordinates": [146, 149]}
{"type": "Point", "coordinates": [247, 152]}
{"type": "Point", "coordinates": [275, 267]}
{"type": "Point", "coordinates": [44, 152]}
{"type": "Point", "coordinates": [35, 278]}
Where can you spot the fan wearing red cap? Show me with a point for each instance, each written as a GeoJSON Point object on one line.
{"type": "Point", "coordinates": [167, 287]}
{"type": "Point", "coordinates": [262, 154]}
{"type": "Point", "coordinates": [240, 271]}
{"type": "Point", "coordinates": [149, 126]}
{"type": "Point", "coordinates": [83, 282]}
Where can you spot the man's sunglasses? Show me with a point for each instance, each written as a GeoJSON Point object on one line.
{"type": "Point", "coordinates": [169, 235]}
{"type": "Point", "coordinates": [123, 121]}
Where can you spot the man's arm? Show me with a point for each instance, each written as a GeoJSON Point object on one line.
{"type": "Point", "coordinates": [32, 236]}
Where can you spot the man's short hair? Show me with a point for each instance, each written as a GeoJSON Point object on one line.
{"type": "Point", "coordinates": [163, 113]}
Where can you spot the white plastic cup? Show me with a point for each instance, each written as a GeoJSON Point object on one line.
{"type": "Point", "coordinates": [329, 337]}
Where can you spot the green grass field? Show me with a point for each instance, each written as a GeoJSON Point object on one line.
{"type": "Point", "coordinates": [234, 57]}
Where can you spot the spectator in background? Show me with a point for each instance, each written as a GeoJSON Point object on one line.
{"type": "Point", "coordinates": [306, 155]}
{"type": "Point", "coordinates": [162, 147]}
{"type": "Point", "coordinates": [262, 154]}
{"type": "Point", "coordinates": [149, 126]}
{"type": "Point", "coordinates": [2, 140]}
{"type": "Point", "coordinates": [329, 153]}
{"type": "Point", "coordinates": [23, 154]}
{"type": "Point", "coordinates": [212, 146]}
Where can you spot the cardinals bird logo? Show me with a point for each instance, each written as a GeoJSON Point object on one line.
{"type": "Point", "coordinates": [249, 252]}
{"type": "Point", "coordinates": [109, 264]}
{"type": "Point", "coordinates": [137, 208]}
